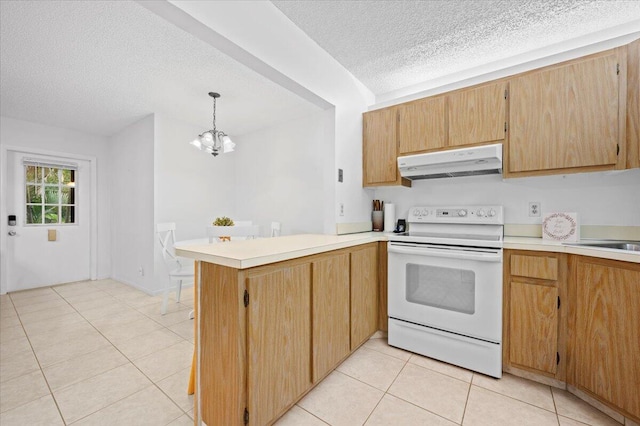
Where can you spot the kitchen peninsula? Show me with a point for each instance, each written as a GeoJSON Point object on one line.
{"type": "Point", "coordinates": [277, 315]}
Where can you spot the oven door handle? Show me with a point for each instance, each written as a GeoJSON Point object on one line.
{"type": "Point", "coordinates": [452, 254]}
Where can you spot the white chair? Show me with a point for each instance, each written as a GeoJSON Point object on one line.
{"type": "Point", "coordinates": [177, 271]}
{"type": "Point", "coordinates": [234, 232]}
{"type": "Point", "coordinates": [275, 229]}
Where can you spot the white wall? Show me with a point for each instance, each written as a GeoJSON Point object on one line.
{"type": "Point", "coordinates": [260, 36]}
{"type": "Point", "coordinates": [30, 135]}
{"type": "Point", "coordinates": [132, 203]}
{"type": "Point", "coordinates": [600, 198]}
{"type": "Point", "coordinates": [191, 188]}
{"type": "Point", "coordinates": [280, 175]}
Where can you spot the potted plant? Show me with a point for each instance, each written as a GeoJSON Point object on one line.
{"type": "Point", "coordinates": [223, 221]}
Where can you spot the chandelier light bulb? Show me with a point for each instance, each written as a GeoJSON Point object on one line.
{"type": "Point", "coordinates": [196, 142]}
{"type": "Point", "coordinates": [227, 144]}
{"type": "Point", "coordinates": [214, 141]}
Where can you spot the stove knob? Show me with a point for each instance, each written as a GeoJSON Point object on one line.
{"type": "Point", "coordinates": [492, 213]}
{"type": "Point", "coordinates": [425, 212]}
{"type": "Point", "coordinates": [462, 213]}
{"type": "Point", "coordinates": [481, 213]}
{"type": "Point", "coordinates": [416, 212]}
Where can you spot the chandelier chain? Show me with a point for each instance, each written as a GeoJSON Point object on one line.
{"type": "Point", "coordinates": [214, 114]}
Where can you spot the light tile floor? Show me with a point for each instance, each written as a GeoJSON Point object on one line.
{"type": "Point", "coordinates": [100, 353]}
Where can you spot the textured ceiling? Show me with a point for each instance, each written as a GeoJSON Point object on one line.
{"type": "Point", "coordinates": [390, 45]}
{"type": "Point", "coordinates": [98, 66]}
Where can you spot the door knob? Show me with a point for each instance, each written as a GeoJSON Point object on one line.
{"type": "Point", "coordinates": [12, 233]}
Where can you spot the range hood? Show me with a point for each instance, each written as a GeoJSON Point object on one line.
{"type": "Point", "coordinates": [478, 160]}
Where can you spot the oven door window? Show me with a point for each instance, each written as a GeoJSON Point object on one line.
{"type": "Point", "coordinates": [445, 288]}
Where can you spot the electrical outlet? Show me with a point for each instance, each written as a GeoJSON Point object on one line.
{"type": "Point", "coordinates": [141, 271]}
{"type": "Point", "coordinates": [534, 208]}
{"type": "Point", "coordinates": [341, 209]}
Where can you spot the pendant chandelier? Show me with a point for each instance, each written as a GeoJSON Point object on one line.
{"type": "Point", "coordinates": [214, 141]}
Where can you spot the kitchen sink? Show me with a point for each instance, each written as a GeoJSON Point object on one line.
{"type": "Point", "coordinates": [617, 245]}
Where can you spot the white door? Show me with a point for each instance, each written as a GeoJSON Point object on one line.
{"type": "Point", "coordinates": [50, 241]}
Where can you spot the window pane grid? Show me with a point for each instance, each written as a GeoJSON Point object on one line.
{"type": "Point", "coordinates": [50, 195]}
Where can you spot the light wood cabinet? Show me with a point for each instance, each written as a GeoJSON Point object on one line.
{"type": "Point", "coordinates": [269, 334]}
{"type": "Point", "coordinates": [422, 125]}
{"type": "Point", "coordinates": [633, 104]}
{"type": "Point", "coordinates": [534, 334]}
{"type": "Point", "coordinates": [364, 293]}
{"type": "Point", "coordinates": [477, 115]}
{"type": "Point", "coordinates": [578, 116]}
{"type": "Point", "coordinates": [533, 326]}
{"type": "Point", "coordinates": [331, 329]}
{"type": "Point", "coordinates": [383, 318]}
{"type": "Point", "coordinates": [380, 148]}
{"type": "Point", "coordinates": [278, 355]}
{"type": "Point", "coordinates": [568, 117]}
{"type": "Point", "coordinates": [606, 343]}
{"type": "Point", "coordinates": [464, 117]}
{"type": "Point", "coordinates": [222, 372]}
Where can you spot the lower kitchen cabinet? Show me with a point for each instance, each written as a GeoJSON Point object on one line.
{"type": "Point", "coordinates": [331, 328]}
{"type": "Point", "coordinates": [278, 355]}
{"type": "Point", "coordinates": [364, 293]}
{"type": "Point", "coordinates": [533, 326]}
{"type": "Point", "coordinates": [534, 334]}
{"type": "Point", "coordinates": [606, 343]}
{"type": "Point", "coordinates": [269, 334]}
{"type": "Point", "coordinates": [584, 310]}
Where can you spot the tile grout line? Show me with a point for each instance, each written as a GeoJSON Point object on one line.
{"type": "Point", "coordinates": [55, 401]}
{"type": "Point", "coordinates": [466, 402]}
{"type": "Point", "coordinates": [130, 361]}
{"type": "Point", "coordinates": [555, 406]}
{"type": "Point", "coordinates": [516, 399]}
{"type": "Point", "coordinates": [386, 392]}
{"type": "Point", "coordinates": [152, 382]}
{"type": "Point", "coordinates": [306, 411]}
{"type": "Point", "coordinates": [411, 403]}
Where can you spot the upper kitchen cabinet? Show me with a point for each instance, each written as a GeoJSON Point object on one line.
{"type": "Point", "coordinates": [422, 126]}
{"type": "Point", "coordinates": [633, 104]}
{"type": "Point", "coordinates": [569, 117]}
{"type": "Point", "coordinates": [380, 148]}
{"type": "Point", "coordinates": [478, 115]}
{"type": "Point", "coordinates": [464, 117]}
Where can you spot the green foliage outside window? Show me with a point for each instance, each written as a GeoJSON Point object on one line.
{"type": "Point", "coordinates": [50, 195]}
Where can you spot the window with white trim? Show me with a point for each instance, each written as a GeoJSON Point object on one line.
{"type": "Point", "coordinates": [50, 193]}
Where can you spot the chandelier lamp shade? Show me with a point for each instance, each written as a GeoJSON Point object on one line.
{"type": "Point", "coordinates": [214, 141]}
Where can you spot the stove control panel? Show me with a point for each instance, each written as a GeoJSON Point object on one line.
{"type": "Point", "coordinates": [457, 214]}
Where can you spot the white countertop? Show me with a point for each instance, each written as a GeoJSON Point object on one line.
{"type": "Point", "coordinates": [262, 251]}
{"type": "Point", "coordinates": [538, 244]}
{"type": "Point", "coordinates": [249, 253]}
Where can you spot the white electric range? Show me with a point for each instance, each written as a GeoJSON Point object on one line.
{"type": "Point", "coordinates": [445, 285]}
